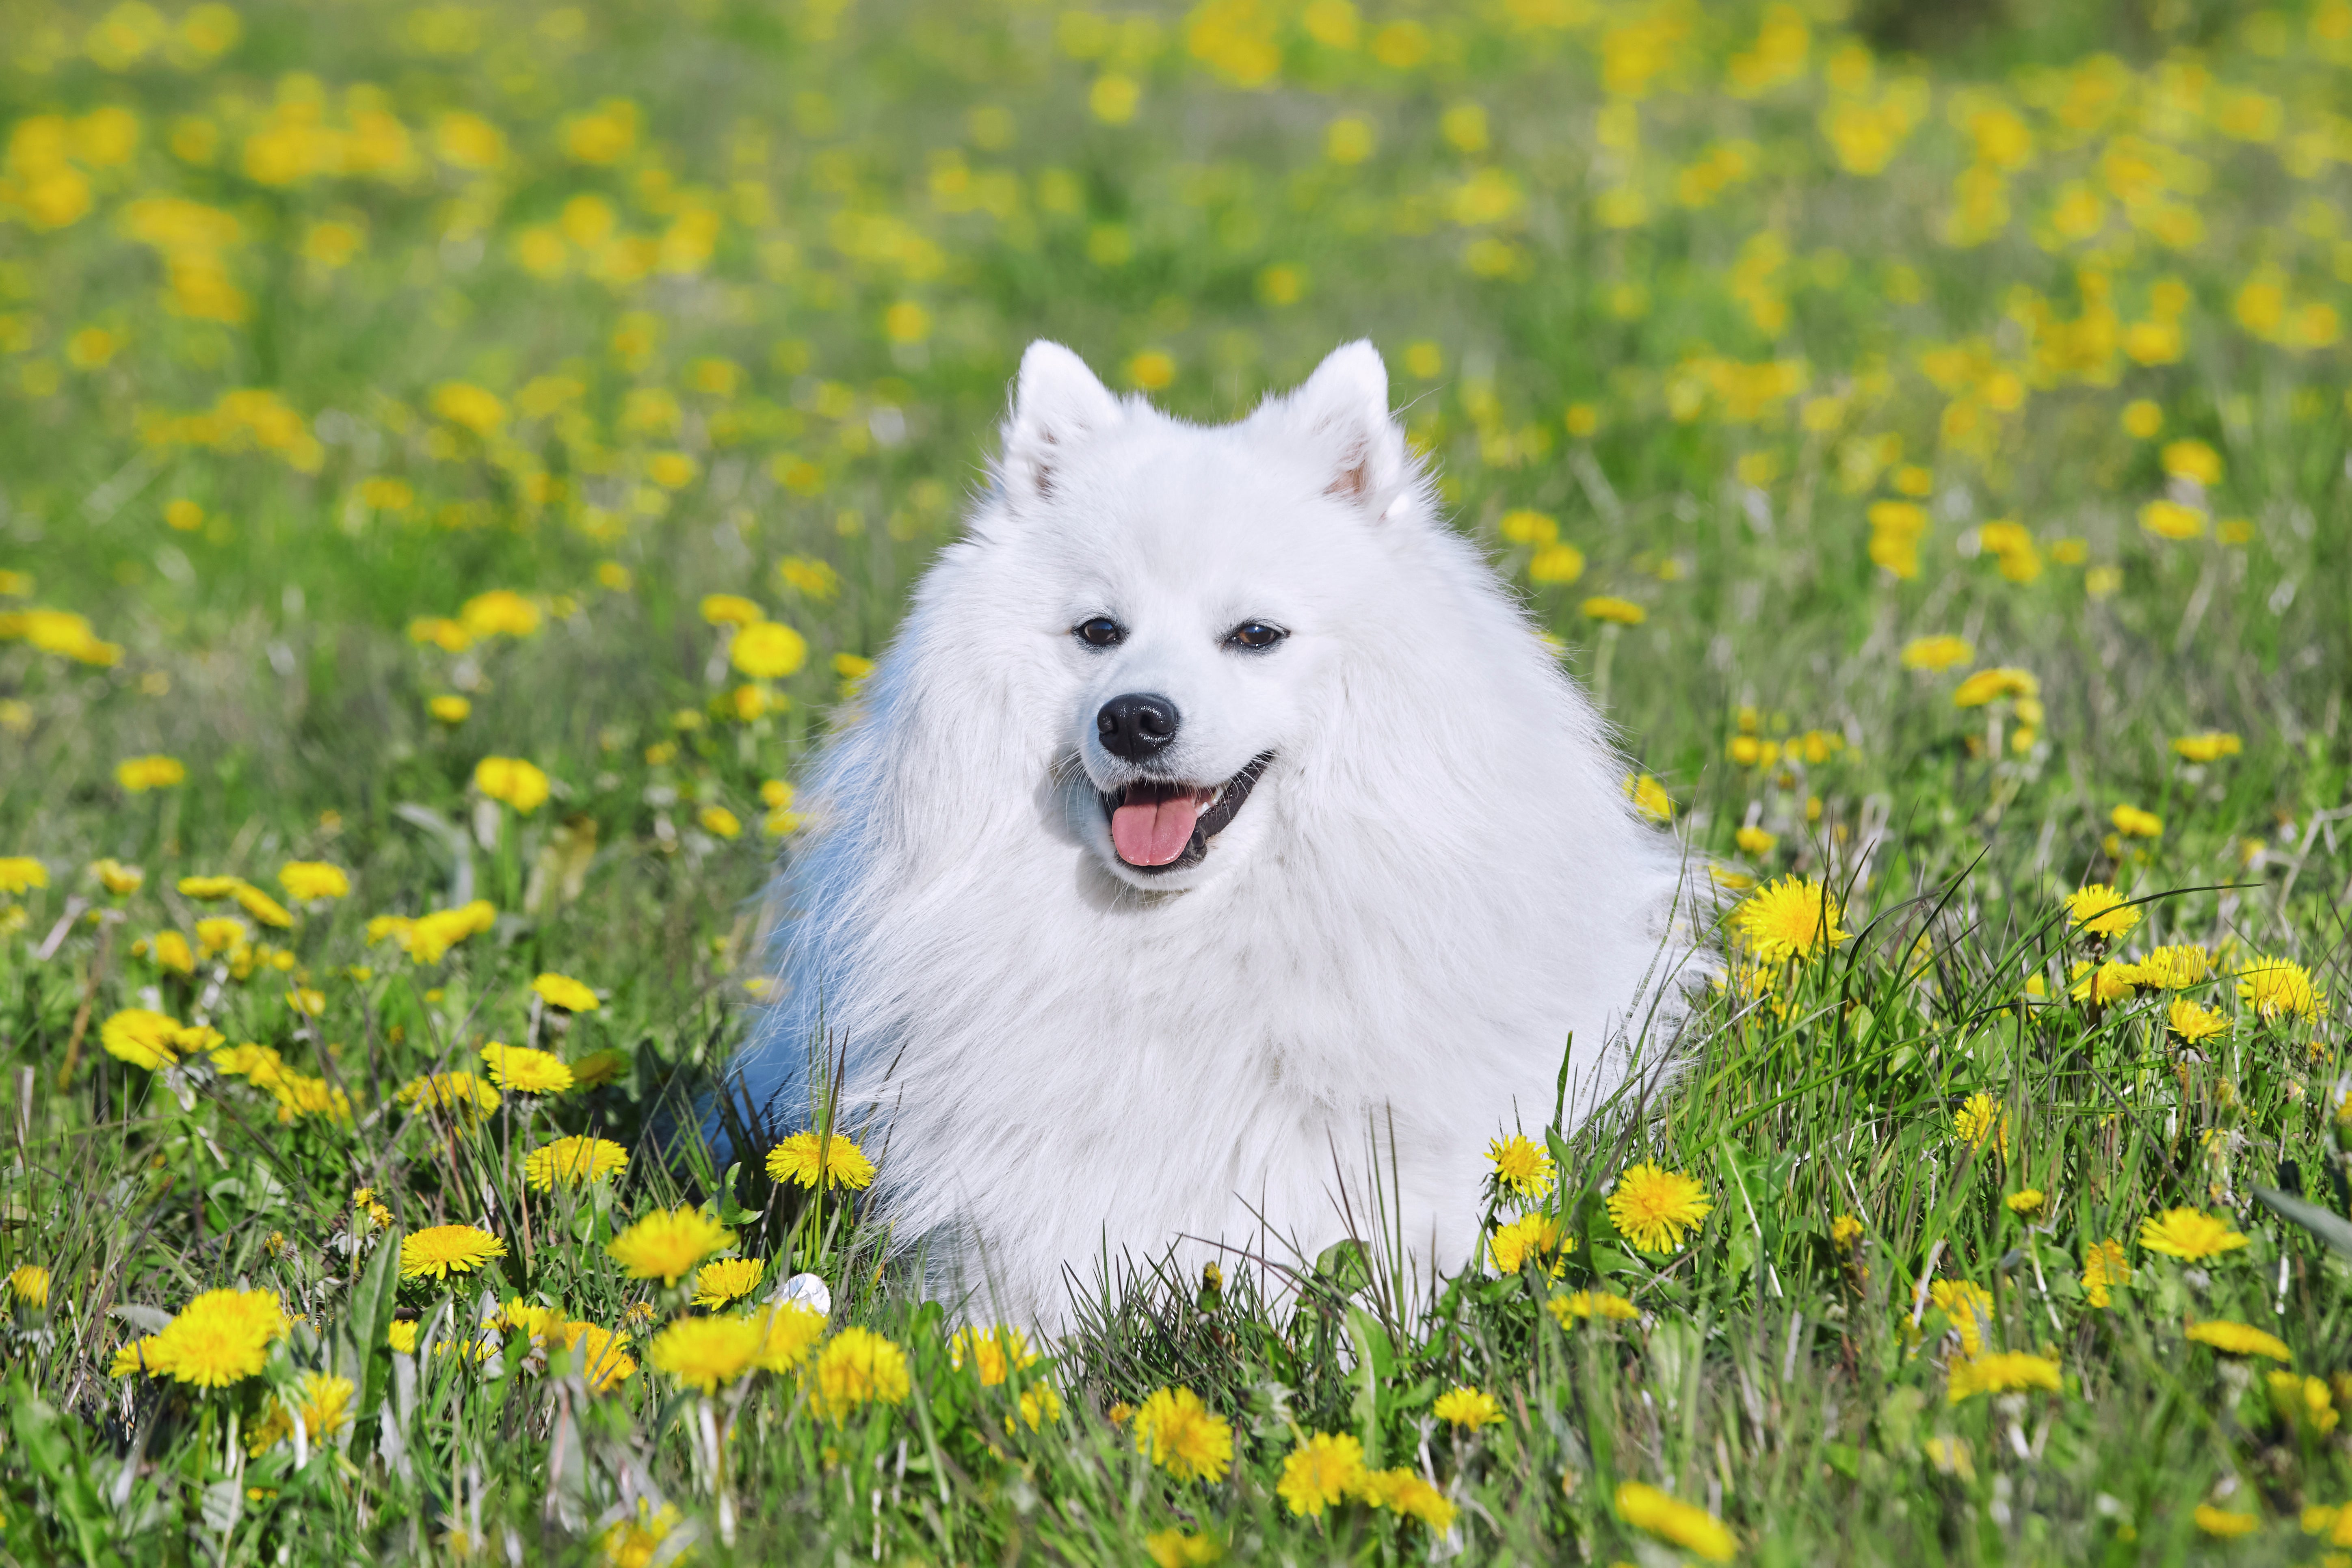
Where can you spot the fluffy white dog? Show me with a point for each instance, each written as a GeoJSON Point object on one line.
{"type": "Point", "coordinates": [1214, 807]}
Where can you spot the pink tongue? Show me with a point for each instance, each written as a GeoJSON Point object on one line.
{"type": "Point", "coordinates": [1154, 835]}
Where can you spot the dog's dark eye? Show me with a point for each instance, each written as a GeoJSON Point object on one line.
{"type": "Point", "coordinates": [1100, 632]}
{"type": "Point", "coordinates": [1255, 635]}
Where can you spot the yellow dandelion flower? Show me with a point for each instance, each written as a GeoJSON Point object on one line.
{"type": "Point", "coordinates": [637, 1543]}
{"type": "Point", "coordinates": [1039, 1405]}
{"type": "Point", "coordinates": [1981, 1119]}
{"type": "Point", "coordinates": [2177, 967]}
{"type": "Point", "coordinates": [807, 1158]}
{"type": "Point", "coordinates": [448, 708]}
{"type": "Point", "coordinates": [2208, 747]}
{"type": "Point", "coordinates": [667, 1243]}
{"type": "Point", "coordinates": [1587, 1305]}
{"type": "Point", "coordinates": [2105, 1268]}
{"type": "Point", "coordinates": [2306, 1402]}
{"type": "Point", "coordinates": [460, 1094]}
{"type": "Point", "coordinates": [597, 1354]}
{"type": "Point", "coordinates": [1845, 1230]}
{"type": "Point", "coordinates": [321, 1400]}
{"type": "Point", "coordinates": [1791, 918]}
{"type": "Point", "coordinates": [787, 1334]}
{"type": "Point", "coordinates": [1649, 797]}
{"type": "Point", "coordinates": [1183, 1436]}
{"type": "Point", "coordinates": [441, 1250]}
{"type": "Point", "coordinates": [117, 878]}
{"type": "Point", "coordinates": [1969, 1308]}
{"type": "Point", "coordinates": [2193, 1023]}
{"type": "Point", "coordinates": [22, 873]}
{"type": "Point", "coordinates": [307, 879]}
{"type": "Point", "coordinates": [219, 1338]}
{"type": "Point", "coordinates": [401, 1336]}
{"type": "Point", "coordinates": [2003, 1372]}
{"type": "Point", "coordinates": [857, 1368]}
{"type": "Point", "coordinates": [2239, 1339]}
{"type": "Point", "coordinates": [703, 1353]}
{"type": "Point", "coordinates": [524, 1071]}
{"type": "Point", "coordinates": [1530, 1239]}
{"type": "Point", "coordinates": [2221, 1522]}
{"type": "Point", "coordinates": [2279, 988]}
{"type": "Point", "coordinates": [994, 1353]}
{"type": "Point", "coordinates": [2188, 1234]}
{"type": "Point", "coordinates": [143, 1037]}
{"type": "Point", "coordinates": [1321, 1472]}
{"type": "Point", "coordinates": [1619, 612]}
{"type": "Point", "coordinates": [768, 650]}
{"type": "Point", "coordinates": [562, 991]}
{"type": "Point", "coordinates": [511, 779]}
{"type": "Point", "coordinates": [2104, 984]}
{"type": "Point", "coordinates": [1693, 1529]}
{"type": "Point", "coordinates": [138, 774]}
{"type": "Point", "coordinates": [1173, 1548]}
{"type": "Point", "coordinates": [732, 610]}
{"type": "Point", "coordinates": [1654, 1208]}
{"type": "Point", "coordinates": [1938, 653]}
{"type": "Point", "coordinates": [2101, 910]}
{"type": "Point", "coordinates": [29, 1284]}
{"type": "Point", "coordinates": [1992, 685]}
{"type": "Point", "coordinates": [729, 1279]}
{"type": "Point", "coordinates": [1520, 1165]}
{"type": "Point", "coordinates": [2027, 1201]}
{"type": "Point", "coordinates": [1468, 1408]}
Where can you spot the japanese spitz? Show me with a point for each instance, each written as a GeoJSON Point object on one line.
{"type": "Point", "coordinates": [1215, 817]}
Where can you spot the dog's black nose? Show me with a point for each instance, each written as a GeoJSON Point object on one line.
{"type": "Point", "coordinates": [1136, 725]}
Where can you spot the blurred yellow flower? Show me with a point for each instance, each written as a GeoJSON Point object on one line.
{"type": "Point", "coordinates": [1176, 1432]}
{"type": "Point", "coordinates": [28, 1283]}
{"type": "Point", "coordinates": [720, 822]}
{"type": "Point", "coordinates": [1693, 1529]}
{"type": "Point", "coordinates": [1622, 612]}
{"type": "Point", "coordinates": [2239, 1339]}
{"type": "Point", "coordinates": [305, 880]}
{"type": "Point", "coordinates": [562, 991]}
{"type": "Point", "coordinates": [2134, 822]}
{"type": "Point", "coordinates": [1467, 1407]}
{"type": "Point", "coordinates": [1937, 652]}
{"type": "Point", "coordinates": [1534, 1236]}
{"type": "Point", "coordinates": [2188, 1234]}
{"type": "Point", "coordinates": [2105, 1268]}
{"type": "Point", "coordinates": [138, 774]}
{"type": "Point", "coordinates": [460, 1093]}
{"type": "Point", "coordinates": [1321, 1472]}
{"type": "Point", "coordinates": [1992, 685]}
{"type": "Point", "coordinates": [511, 779]}
{"type": "Point", "coordinates": [1981, 1119]}
{"type": "Point", "coordinates": [669, 1243]}
{"type": "Point", "coordinates": [2009, 1372]}
{"type": "Point", "coordinates": [995, 1353]}
{"type": "Point", "coordinates": [703, 1353]}
{"type": "Point", "coordinates": [858, 1368]}
{"type": "Point", "coordinates": [449, 709]}
{"type": "Point", "coordinates": [732, 610]}
{"type": "Point", "coordinates": [768, 650]}
{"type": "Point", "coordinates": [117, 878]}
{"type": "Point", "coordinates": [20, 873]}
{"type": "Point", "coordinates": [2209, 747]}
{"type": "Point", "coordinates": [571, 1159]}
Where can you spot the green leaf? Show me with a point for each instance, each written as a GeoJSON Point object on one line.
{"type": "Point", "coordinates": [2333, 1229]}
{"type": "Point", "coordinates": [370, 1320]}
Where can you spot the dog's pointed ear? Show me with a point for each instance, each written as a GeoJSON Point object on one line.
{"type": "Point", "coordinates": [1057, 404]}
{"type": "Point", "coordinates": [1341, 414]}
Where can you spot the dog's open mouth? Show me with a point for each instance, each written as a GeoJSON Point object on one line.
{"type": "Point", "coordinates": [1164, 825]}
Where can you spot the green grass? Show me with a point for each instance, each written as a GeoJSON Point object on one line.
{"type": "Point", "coordinates": [1652, 282]}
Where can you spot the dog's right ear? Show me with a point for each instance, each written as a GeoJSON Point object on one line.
{"type": "Point", "coordinates": [1057, 404]}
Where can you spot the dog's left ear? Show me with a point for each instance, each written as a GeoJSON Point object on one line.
{"type": "Point", "coordinates": [1341, 414]}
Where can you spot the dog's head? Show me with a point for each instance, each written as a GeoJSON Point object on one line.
{"type": "Point", "coordinates": [1196, 585]}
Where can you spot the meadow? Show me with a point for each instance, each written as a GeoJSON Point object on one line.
{"type": "Point", "coordinates": [456, 460]}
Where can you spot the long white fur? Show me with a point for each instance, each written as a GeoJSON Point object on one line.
{"type": "Point", "coordinates": [1435, 884]}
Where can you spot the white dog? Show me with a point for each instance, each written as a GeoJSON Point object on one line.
{"type": "Point", "coordinates": [1215, 808]}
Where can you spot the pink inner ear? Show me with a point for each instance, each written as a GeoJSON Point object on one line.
{"type": "Point", "coordinates": [1355, 480]}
